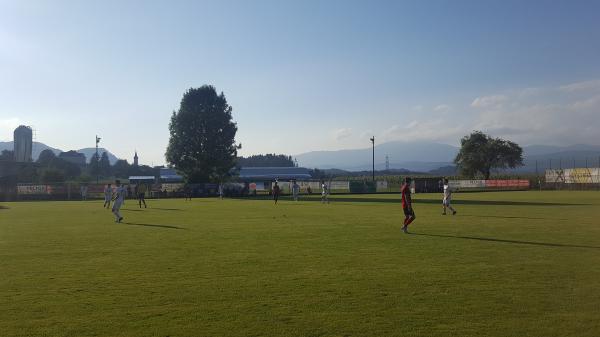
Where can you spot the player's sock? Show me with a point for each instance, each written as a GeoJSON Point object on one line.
{"type": "Point", "coordinates": [410, 220]}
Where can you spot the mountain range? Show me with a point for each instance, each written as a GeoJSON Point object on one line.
{"type": "Point", "coordinates": [413, 156]}
{"type": "Point", "coordinates": [38, 147]}
{"type": "Point", "coordinates": [431, 156]}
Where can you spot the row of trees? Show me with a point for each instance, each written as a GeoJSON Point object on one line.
{"type": "Point", "coordinates": [266, 160]}
{"type": "Point", "coordinates": [50, 168]}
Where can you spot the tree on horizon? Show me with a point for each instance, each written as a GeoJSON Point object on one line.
{"type": "Point", "coordinates": [479, 154]}
{"type": "Point", "coordinates": [202, 143]}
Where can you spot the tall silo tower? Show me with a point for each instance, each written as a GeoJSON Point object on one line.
{"type": "Point", "coordinates": [23, 141]}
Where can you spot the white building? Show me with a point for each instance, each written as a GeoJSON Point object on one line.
{"type": "Point", "coordinates": [23, 141]}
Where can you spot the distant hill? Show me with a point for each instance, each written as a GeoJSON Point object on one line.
{"type": "Point", "coordinates": [412, 156]}
{"type": "Point", "coordinates": [89, 152]}
{"type": "Point", "coordinates": [38, 147]}
{"type": "Point", "coordinates": [438, 158]}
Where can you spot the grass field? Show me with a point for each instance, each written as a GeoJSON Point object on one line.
{"type": "Point", "coordinates": [508, 264]}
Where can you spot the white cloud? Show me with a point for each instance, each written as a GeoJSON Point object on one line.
{"type": "Point", "coordinates": [552, 116]}
{"type": "Point", "coordinates": [366, 134]}
{"type": "Point", "coordinates": [549, 115]}
{"type": "Point", "coordinates": [343, 133]}
{"type": "Point", "coordinates": [432, 129]}
{"type": "Point", "coordinates": [488, 101]}
{"type": "Point", "coordinates": [581, 86]}
{"type": "Point", "coordinates": [442, 108]}
{"type": "Point", "coordinates": [7, 127]}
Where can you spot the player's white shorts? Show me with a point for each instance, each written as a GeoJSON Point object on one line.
{"type": "Point", "coordinates": [446, 202]}
{"type": "Point", "coordinates": [117, 205]}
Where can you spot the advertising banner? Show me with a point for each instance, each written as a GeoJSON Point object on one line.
{"type": "Point", "coordinates": [172, 187]}
{"type": "Point", "coordinates": [465, 184]}
{"type": "Point", "coordinates": [555, 176]}
{"type": "Point", "coordinates": [574, 176]}
{"type": "Point", "coordinates": [582, 176]}
{"type": "Point", "coordinates": [382, 186]}
{"type": "Point", "coordinates": [511, 183]}
{"type": "Point", "coordinates": [315, 186]}
{"type": "Point", "coordinates": [260, 186]}
{"type": "Point", "coordinates": [339, 186]}
{"type": "Point", "coordinates": [32, 189]}
{"type": "Point", "coordinates": [489, 184]}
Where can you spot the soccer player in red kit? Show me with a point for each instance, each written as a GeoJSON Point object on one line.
{"type": "Point", "coordinates": [409, 213]}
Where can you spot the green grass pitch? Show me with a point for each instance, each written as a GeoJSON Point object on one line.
{"type": "Point", "coordinates": [508, 264]}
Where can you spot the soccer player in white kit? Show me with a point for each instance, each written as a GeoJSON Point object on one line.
{"type": "Point", "coordinates": [324, 193]}
{"type": "Point", "coordinates": [447, 198]}
{"type": "Point", "coordinates": [119, 198]}
{"type": "Point", "coordinates": [107, 195]}
{"type": "Point", "coordinates": [295, 190]}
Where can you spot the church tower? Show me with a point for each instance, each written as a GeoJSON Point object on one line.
{"type": "Point", "coordinates": [135, 159]}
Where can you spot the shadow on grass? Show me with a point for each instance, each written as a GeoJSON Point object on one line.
{"type": "Point", "coordinates": [166, 209]}
{"type": "Point", "coordinates": [509, 217]}
{"type": "Point", "coordinates": [4, 207]}
{"type": "Point", "coordinates": [151, 225]}
{"type": "Point", "coordinates": [507, 241]}
{"type": "Point", "coordinates": [427, 201]}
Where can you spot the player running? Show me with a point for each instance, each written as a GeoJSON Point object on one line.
{"type": "Point", "coordinates": [447, 198]}
{"type": "Point", "coordinates": [324, 192]}
{"type": "Point", "coordinates": [107, 196]}
{"type": "Point", "coordinates": [295, 190]}
{"type": "Point", "coordinates": [276, 192]}
{"type": "Point", "coordinates": [119, 199]}
{"type": "Point", "coordinates": [409, 213]}
{"type": "Point", "coordinates": [141, 194]}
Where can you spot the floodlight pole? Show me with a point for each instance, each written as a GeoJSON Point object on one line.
{"type": "Point", "coordinates": [97, 160]}
{"type": "Point", "coordinates": [373, 142]}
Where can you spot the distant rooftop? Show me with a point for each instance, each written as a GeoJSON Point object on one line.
{"type": "Point", "coordinates": [141, 178]}
{"type": "Point", "coordinates": [169, 174]}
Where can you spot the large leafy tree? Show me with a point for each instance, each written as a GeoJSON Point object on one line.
{"type": "Point", "coordinates": [95, 165]}
{"type": "Point", "coordinates": [7, 155]}
{"type": "Point", "coordinates": [121, 169]}
{"type": "Point", "coordinates": [46, 157]}
{"type": "Point", "coordinates": [202, 145]}
{"type": "Point", "coordinates": [104, 165]}
{"type": "Point", "coordinates": [479, 154]}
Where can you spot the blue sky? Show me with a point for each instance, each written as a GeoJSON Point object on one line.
{"type": "Point", "coordinates": [302, 75]}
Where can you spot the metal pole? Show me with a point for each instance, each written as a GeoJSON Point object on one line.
{"type": "Point", "coordinates": [373, 141]}
{"type": "Point", "coordinates": [97, 160]}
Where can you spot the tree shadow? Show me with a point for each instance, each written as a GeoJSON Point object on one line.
{"type": "Point", "coordinates": [509, 217]}
{"type": "Point", "coordinates": [166, 209]}
{"type": "Point", "coordinates": [546, 244]}
{"type": "Point", "coordinates": [151, 225]}
{"type": "Point", "coordinates": [315, 198]}
{"type": "Point", "coordinates": [497, 202]}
